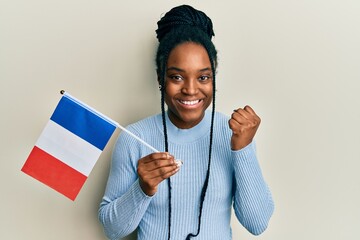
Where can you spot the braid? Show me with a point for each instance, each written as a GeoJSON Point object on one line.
{"type": "Point", "coordinates": [162, 81]}
{"type": "Point", "coordinates": [184, 15]}
{"type": "Point", "coordinates": [185, 24]}
{"type": "Point", "coordinates": [163, 87]}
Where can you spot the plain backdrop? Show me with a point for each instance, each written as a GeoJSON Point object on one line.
{"type": "Point", "coordinates": [297, 63]}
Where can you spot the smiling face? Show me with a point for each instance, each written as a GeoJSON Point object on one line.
{"type": "Point", "coordinates": [189, 88]}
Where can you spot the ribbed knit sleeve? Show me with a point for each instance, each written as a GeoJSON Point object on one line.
{"type": "Point", "coordinates": [124, 202]}
{"type": "Point", "coordinates": [253, 203]}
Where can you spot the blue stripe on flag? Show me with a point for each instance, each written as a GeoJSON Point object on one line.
{"type": "Point", "coordinates": [83, 122]}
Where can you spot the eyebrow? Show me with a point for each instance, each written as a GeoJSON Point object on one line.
{"type": "Point", "coordinates": [175, 68]}
{"type": "Point", "coordinates": [182, 70]}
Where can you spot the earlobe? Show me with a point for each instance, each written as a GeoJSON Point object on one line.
{"type": "Point", "coordinates": [160, 86]}
{"type": "Point", "coordinates": [159, 82]}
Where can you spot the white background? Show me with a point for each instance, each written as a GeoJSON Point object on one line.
{"type": "Point", "coordinates": [297, 63]}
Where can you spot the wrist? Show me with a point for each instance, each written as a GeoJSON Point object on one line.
{"type": "Point", "coordinates": [147, 189]}
{"type": "Point", "coordinates": [237, 145]}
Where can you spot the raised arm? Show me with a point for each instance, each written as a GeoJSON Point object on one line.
{"type": "Point", "coordinates": [253, 203]}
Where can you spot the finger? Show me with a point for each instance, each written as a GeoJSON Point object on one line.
{"type": "Point", "coordinates": [171, 173]}
{"type": "Point", "coordinates": [163, 173]}
{"type": "Point", "coordinates": [240, 116]}
{"type": "Point", "coordinates": [242, 112]}
{"type": "Point", "coordinates": [248, 109]}
{"type": "Point", "coordinates": [155, 156]}
{"type": "Point", "coordinates": [160, 163]}
{"type": "Point", "coordinates": [248, 113]}
{"type": "Point", "coordinates": [255, 119]}
{"type": "Point", "coordinates": [156, 160]}
{"type": "Point", "coordinates": [234, 125]}
{"type": "Point", "coordinates": [239, 124]}
{"type": "Point", "coordinates": [245, 110]}
{"type": "Point", "coordinates": [156, 180]}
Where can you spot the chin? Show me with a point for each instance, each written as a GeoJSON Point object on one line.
{"type": "Point", "coordinates": [192, 119]}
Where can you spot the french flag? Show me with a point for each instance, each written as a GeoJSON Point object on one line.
{"type": "Point", "coordinates": [69, 146]}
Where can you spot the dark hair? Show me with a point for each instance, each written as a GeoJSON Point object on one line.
{"type": "Point", "coordinates": [180, 25]}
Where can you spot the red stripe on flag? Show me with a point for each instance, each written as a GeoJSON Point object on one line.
{"type": "Point", "coordinates": [54, 173]}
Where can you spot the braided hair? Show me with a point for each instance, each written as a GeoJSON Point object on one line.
{"type": "Point", "coordinates": [180, 25]}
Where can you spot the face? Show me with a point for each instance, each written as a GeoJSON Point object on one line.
{"type": "Point", "coordinates": [188, 84]}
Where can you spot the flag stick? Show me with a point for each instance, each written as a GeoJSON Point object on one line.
{"type": "Point", "coordinates": [178, 162]}
{"type": "Point", "coordinates": [137, 138]}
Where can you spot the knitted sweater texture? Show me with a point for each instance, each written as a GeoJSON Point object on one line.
{"type": "Point", "coordinates": [235, 181]}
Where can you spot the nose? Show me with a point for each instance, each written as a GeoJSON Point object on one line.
{"type": "Point", "coordinates": [190, 87]}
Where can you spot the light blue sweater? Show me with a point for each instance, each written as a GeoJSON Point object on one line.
{"type": "Point", "coordinates": [235, 179]}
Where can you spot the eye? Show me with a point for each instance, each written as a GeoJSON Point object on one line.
{"type": "Point", "coordinates": [204, 78]}
{"type": "Point", "coordinates": [176, 78]}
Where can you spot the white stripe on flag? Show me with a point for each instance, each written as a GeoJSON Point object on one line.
{"type": "Point", "coordinates": [68, 148]}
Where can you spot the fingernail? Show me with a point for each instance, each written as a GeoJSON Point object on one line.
{"type": "Point", "coordinates": [179, 163]}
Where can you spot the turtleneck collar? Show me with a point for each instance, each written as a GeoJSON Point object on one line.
{"type": "Point", "coordinates": [178, 135]}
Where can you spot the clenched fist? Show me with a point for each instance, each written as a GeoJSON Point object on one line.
{"type": "Point", "coordinates": [244, 123]}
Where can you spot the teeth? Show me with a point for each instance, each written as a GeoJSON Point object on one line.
{"type": "Point", "coordinates": [190, 102]}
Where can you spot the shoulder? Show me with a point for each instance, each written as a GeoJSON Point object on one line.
{"type": "Point", "coordinates": [221, 125]}
{"type": "Point", "coordinates": [148, 129]}
{"type": "Point", "coordinates": [144, 129]}
{"type": "Point", "coordinates": [145, 124]}
{"type": "Point", "coordinates": [221, 120]}
{"type": "Point", "coordinates": [221, 116]}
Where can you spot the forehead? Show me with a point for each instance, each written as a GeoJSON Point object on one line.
{"type": "Point", "coordinates": [189, 55]}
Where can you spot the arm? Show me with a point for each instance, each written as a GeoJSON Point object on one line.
{"type": "Point", "coordinates": [133, 180]}
{"type": "Point", "coordinates": [253, 203]}
{"type": "Point", "coordinates": [124, 203]}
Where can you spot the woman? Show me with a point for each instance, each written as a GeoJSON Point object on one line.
{"type": "Point", "coordinates": [151, 192]}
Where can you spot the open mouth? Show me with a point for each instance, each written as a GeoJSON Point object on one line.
{"type": "Point", "coordinates": [190, 103]}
